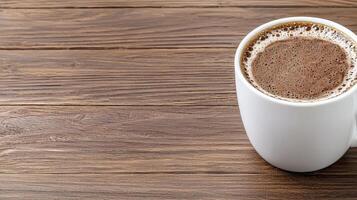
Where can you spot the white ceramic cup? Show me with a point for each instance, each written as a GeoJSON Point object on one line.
{"type": "Point", "coordinates": [297, 136]}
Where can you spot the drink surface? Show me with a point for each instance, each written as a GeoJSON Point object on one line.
{"type": "Point", "coordinates": [301, 62]}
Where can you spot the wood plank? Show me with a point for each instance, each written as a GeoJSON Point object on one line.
{"type": "Point", "coordinates": [133, 140]}
{"type": "Point", "coordinates": [176, 186]}
{"type": "Point", "coordinates": [145, 28]}
{"type": "Point", "coordinates": [170, 3]}
{"type": "Point", "coordinates": [118, 77]}
{"type": "Point", "coordinates": [124, 140]}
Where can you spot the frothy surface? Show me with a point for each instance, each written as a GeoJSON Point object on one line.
{"type": "Point", "coordinates": [301, 62]}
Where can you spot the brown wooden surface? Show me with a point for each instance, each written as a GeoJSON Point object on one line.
{"type": "Point", "coordinates": [172, 3]}
{"type": "Point", "coordinates": [177, 186]}
{"type": "Point", "coordinates": [166, 152]}
{"type": "Point", "coordinates": [145, 27]}
{"type": "Point", "coordinates": [117, 99]}
{"type": "Point", "coordinates": [118, 77]}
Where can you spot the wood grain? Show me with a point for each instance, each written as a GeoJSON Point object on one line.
{"type": "Point", "coordinates": [165, 152]}
{"type": "Point", "coordinates": [118, 77]}
{"type": "Point", "coordinates": [117, 99]}
{"type": "Point", "coordinates": [177, 186]}
{"type": "Point", "coordinates": [125, 140]}
{"type": "Point", "coordinates": [133, 140]}
{"type": "Point", "coordinates": [171, 3]}
{"type": "Point", "coordinates": [146, 27]}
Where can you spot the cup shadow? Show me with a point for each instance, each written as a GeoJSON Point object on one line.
{"type": "Point", "coordinates": [338, 181]}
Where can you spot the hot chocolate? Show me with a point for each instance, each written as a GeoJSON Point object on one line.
{"type": "Point", "coordinates": [301, 62]}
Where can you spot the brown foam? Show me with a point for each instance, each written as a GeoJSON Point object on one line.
{"type": "Point", "coordinates": [301, 62]}
{"type": "Point", "coordinates": [300, 68]}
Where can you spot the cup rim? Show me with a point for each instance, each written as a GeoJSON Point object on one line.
{"type": "Point", "coordinates": [254, 32]}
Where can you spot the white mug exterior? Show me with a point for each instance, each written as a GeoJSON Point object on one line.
{"type": "Point", "coordinates": [297, 136]}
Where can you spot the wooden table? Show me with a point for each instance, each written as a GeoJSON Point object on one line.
{"type": "Point", "coordinates": [119, 99]}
